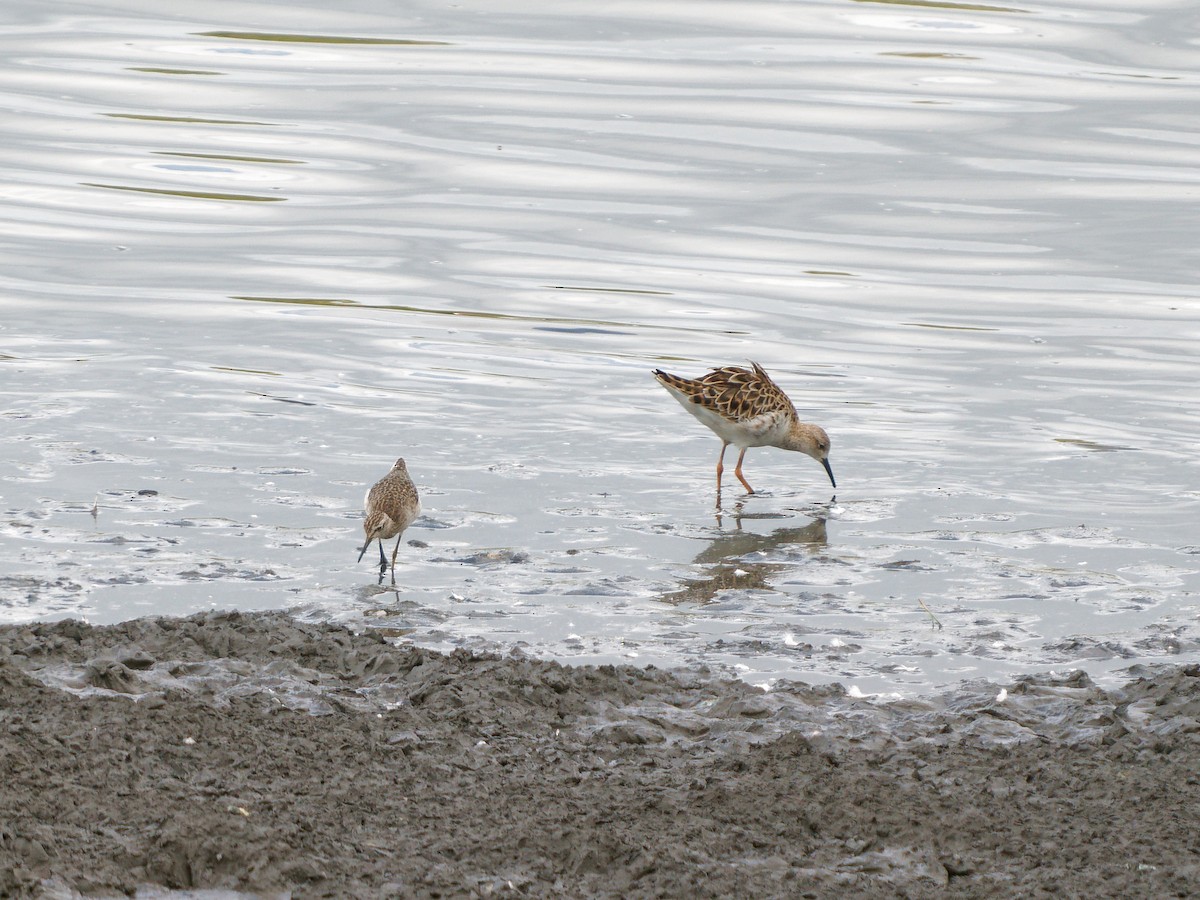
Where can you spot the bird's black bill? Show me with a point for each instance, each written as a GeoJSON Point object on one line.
{"type": "Point", "coordinates": [829, 471]}
{"type": "Point", "coordinates": [363, 551]}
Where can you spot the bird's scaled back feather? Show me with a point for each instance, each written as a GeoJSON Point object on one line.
{"type": "Point", "coordinates": [738, 394]}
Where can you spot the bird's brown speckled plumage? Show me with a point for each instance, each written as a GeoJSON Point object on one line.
{"type": "Point", "coordinates": [391, 506]}
{"type": "Point", "coordinates": [737, 394]}
{"type": "Point", "coordinates": [746, 408]}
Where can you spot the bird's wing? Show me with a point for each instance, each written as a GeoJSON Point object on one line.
{"type": "Point", "coordinates": [741, 395]}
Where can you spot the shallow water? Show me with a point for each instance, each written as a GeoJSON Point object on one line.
{"type": "Point", "coordinates": [251, 257]}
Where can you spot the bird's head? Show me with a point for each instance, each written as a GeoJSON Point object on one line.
{"type": "Point", "coordinates": [813, 440]}
{"type": "Point", "coordinates": [375, 525]}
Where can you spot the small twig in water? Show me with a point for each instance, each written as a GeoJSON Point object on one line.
{"type": "Point", "coordinates": [936, 623]}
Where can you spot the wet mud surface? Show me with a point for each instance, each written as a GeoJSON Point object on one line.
{"type": "Point", "coordinates": [259, 754]}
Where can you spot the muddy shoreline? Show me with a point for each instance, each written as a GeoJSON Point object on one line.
{"type": "Point", "coordinates": [259, 754]}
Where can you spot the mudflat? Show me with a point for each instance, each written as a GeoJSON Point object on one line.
{"type": "Point", "coordinates": [257, 753]}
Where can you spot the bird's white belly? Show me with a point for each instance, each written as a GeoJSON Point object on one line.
{"type": "Point", "coordinates": [763, 431]}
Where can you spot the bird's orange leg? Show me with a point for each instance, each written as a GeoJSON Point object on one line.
{"type": "Point", "coordinates": [394, 552]}
{"type": "Point", "coordinates": [738, 472]}
{"type": "Point", "coordinates": [720, 467]}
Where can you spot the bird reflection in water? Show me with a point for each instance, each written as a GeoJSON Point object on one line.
{"type": "Point", "coordinates": [727, 566]}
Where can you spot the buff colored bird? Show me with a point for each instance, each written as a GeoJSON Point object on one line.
{"type": "Point", "coordinates": [392, 505]}
{"type": "Point", "coordinates": [746, 408]}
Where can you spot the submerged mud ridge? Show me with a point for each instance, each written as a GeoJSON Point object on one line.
{"type": "Point", "coordinates": [257, 753]}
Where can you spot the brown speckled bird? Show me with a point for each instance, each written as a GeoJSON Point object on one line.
{"type": "Point", "coordinates": [391, 505]}
{"type": "Point", "coordinates": [746, 408]}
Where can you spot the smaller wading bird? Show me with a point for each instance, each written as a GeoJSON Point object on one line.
{"type": "Point", "coordinates": [744, 407]}
{"type": "Point", "coordinates": [391, 506]}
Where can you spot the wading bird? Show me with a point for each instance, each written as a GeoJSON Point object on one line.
{"type": "Point", "coordinates": [391, 506]}
{"type": "Point", "coordinates": [744, 407]}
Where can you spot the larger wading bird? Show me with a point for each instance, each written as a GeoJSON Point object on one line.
{"type": "Point", "coordinates": [744, 407]}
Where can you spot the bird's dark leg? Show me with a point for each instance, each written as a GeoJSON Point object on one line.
{"type": "Point", "coordinates": [382, 558]}
{"type": "Point", "coordinates": [738, 472]}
